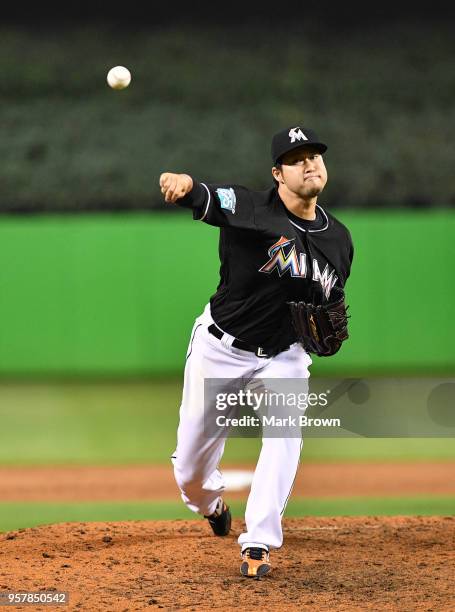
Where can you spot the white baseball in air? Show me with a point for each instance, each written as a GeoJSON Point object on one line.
{"type": "Point", "coordinates": [119, 77]}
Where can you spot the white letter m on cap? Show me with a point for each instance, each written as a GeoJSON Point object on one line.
{"type": "Point", "coordinates": [296, 134]}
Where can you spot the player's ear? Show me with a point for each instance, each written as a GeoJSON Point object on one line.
{"type": "Point", "coordinates": [276, 173]}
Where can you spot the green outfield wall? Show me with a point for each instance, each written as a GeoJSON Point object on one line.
{"type": "Point", "coordinates": [116, 295]}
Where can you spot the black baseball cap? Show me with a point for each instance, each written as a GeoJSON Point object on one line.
{"type": "Point", "coordinates": [293, 138]}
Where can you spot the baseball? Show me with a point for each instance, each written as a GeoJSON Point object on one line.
{"type": "Point", "coordinates": [119, 77]}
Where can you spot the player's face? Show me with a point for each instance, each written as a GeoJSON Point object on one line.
{"type": "Point", "coordinates": [303, 172]}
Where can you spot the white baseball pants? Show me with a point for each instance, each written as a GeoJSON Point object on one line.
{"type": "Point", "coordinates": [196, 457]}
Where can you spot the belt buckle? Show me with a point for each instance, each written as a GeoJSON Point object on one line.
{"type": "Point", "coordinates": [260, 352]}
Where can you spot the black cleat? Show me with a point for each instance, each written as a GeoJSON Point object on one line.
{"type": "Point", "coordinates": [220, 520]}
{"type": "Point", "coordinates": [255, 562]}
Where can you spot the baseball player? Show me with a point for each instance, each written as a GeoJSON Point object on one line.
{"type": "Point", "coordinates": [277, 247]}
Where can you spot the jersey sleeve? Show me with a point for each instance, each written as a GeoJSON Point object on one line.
{"type": "Point", "coordinates": [221, 205]}
{"type": "Point", "coordinates": [350, 255]}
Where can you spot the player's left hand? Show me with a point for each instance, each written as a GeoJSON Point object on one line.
{"type": "Point", "coordinates": [175, 186]}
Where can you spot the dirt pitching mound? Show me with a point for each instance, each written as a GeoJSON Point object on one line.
{"type": "Point", "coordinates": [352, 563]}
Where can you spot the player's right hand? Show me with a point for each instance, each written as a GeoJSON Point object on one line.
{"type": "Point", "coordinates": [175, 186]}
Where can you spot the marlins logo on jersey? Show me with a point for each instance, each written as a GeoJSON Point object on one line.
{"type": "Point", "coordinates": [296, 265]}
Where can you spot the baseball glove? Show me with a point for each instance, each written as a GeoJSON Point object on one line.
{"type": "Point", "coordinates": [321, 328]}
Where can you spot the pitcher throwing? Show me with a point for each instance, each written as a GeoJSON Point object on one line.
{"type": "Point", "coordinates": [284, 263]}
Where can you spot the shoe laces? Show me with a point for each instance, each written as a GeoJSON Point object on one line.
{"type": "Point", "coordinates": [255, 553]}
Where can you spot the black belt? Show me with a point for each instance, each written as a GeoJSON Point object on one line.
{"type": "Point", "coordinates": [259, 351]}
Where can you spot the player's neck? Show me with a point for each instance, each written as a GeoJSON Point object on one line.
{"type": "Point", "coordinates": [303, 208]}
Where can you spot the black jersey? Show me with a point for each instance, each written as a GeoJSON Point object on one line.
{"type": "Point", "coordinates": [268, 258]}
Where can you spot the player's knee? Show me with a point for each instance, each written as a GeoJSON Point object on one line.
{"type": "Point", "coordinates": [188, 479]}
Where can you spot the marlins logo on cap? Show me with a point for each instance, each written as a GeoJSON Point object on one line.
{"type": "Point", "coordinates": [296, 134]}
{"type": "Point", "coordinates": [292, 138]}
